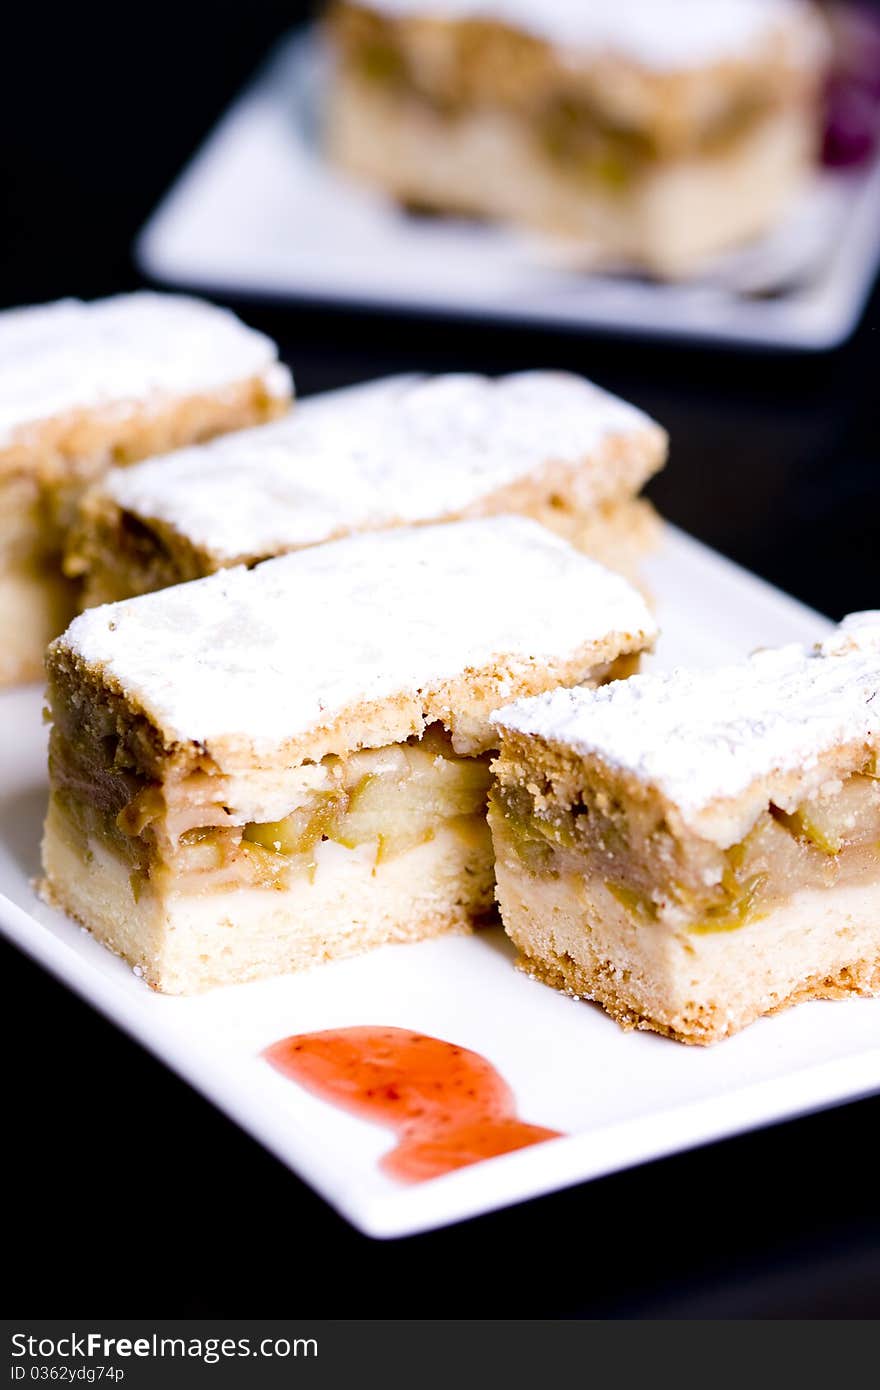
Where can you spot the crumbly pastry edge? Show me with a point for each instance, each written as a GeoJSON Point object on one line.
{"type": "Point", "coordinates": [696, 988]}
{"type": "Point", "coordinates": [543, 735]}
{"type": "Point", "coordinates": [860, 979]}
{"type": "Point", "coordinates": [90, 438]}
{"type": "Point", "coordinates": [725, 819]}
{"type": "Point", "coordinates": [75, 361]}
{"type": "Point", "coordinates": [365, 724]}
{"type": "Point", "coordinates": [551, 494]}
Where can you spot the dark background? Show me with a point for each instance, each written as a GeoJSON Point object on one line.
{"type": "Point", "coordinates": [124, 1191]}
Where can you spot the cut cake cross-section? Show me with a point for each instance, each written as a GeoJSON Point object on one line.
{"type": "Point", "coordinates": [652, 134]}
{"type": "Point", "coordinates": [696, 849]}
{"type": "Point", "coordinates": [266, 768]}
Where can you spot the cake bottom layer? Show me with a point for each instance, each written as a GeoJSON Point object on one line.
{"type": "Point", "coordinates": [695, 987]}
{"type": "Point", "coordinates": [35, 605]}
{"type": "Point", "coordinates": [667, 217]}
{"type": "Point", "coordinates": [184, 941]}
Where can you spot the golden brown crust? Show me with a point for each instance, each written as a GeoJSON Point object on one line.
{"type": "Point", "coordinates": [46, 467]}
{"type": "Point", "coordinates": [82, 443]}
{"type": "Point", "coordinates": [567, 776]}
{"type": "Point", "coordinates": [82, 699]}
{"type": "Point", "coordinates": [619, 467]}
{"type": "Point", "coordinates": [118, 554]}
{"type": "Point", "coordinates": [707, 1023]}
{"type": "Point", "coordinates": [95, 718]}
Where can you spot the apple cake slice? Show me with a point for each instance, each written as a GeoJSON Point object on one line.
{"type": "Point", "coordinates": [83, 386]}
{"type": "Point", "coordinates": [260, 770]}
{"type": "Point", "coordinates": [403, 450]}
{"type": "Point", "coordinates": [697, 849]}
{"type": "Point", "coordinates": [648, 134]}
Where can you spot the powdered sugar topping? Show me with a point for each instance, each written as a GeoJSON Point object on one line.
{"type": "Point", "coordinates": [272, 653]}
{"type": "Point", "coordinates": [704, 736]}
{"type": "Point", "coordinates": [403, 449]}
{"type": "Point", "coordinates": [123, 352]}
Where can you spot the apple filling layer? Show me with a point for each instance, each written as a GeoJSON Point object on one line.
{"type": "Point", "coordinates": [379, 802]}
{"type": "Point", "coordinates": [388, 800]}
{"type": "Point", "coordinates": [631, 863]}
{"type": "Point", "coordinates": [476, 65]}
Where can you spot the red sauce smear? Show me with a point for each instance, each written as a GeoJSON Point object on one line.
{"type": "Point", "coordinates": [449, 1106]}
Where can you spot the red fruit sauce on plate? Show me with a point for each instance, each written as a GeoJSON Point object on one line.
{"type": "Point", "coordinates": [449, 1106]}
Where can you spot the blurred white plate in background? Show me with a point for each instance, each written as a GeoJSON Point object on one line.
{"type": "Point", "coordinates": [620, 1098]}
{"type": "Point", "coordinates": [259, 212]}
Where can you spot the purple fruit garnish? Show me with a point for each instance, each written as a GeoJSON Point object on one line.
{"type": "Point", "coordinates": [852, 126]}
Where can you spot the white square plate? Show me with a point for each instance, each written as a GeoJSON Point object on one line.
{"type": "Point", "coordinates": [621, 1098]}
{"type": "Point", "coordinates": [259, 212]}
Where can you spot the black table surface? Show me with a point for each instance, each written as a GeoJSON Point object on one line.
{"type": "Point", "coordinates": [126, 1192]}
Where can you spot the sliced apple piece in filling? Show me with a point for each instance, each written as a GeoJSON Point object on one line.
{"type": "Point", "coordinates": [399, 805]}
{"type": "Point", "coordinates": [738, 912]}
{"type": "Point", "coordinates": [299, 832]}
{"type": "Point", "coordinates": [392, 797]}
{"type": "Point", "coordinates": [849, 815]}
